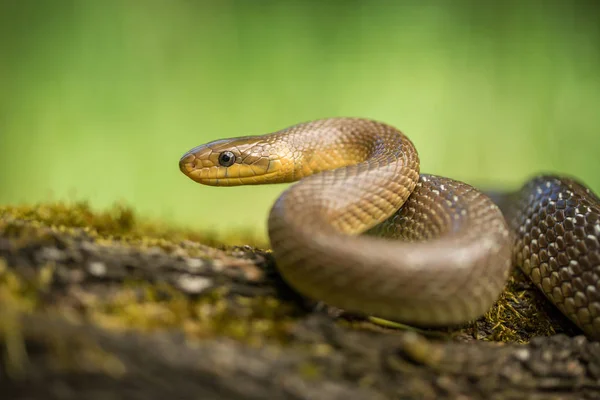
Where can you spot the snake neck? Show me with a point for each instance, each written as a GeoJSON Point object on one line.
{"type": "Point", "coordinates": [349, 160]}
{"type": "Point", "coordinates": [329, 144]}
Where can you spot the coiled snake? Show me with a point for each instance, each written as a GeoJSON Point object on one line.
{"type": "Point", "coordinates": [435, 251]}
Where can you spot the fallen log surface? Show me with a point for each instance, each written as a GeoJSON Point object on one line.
{"type": "Point", "coordinates": [103, 310]}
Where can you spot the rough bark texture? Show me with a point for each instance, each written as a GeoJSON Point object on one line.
{"type": "Point", "coordinates": [92, 316]}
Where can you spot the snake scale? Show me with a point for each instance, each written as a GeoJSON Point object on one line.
{"type": "Point", "coordinates": [364, 231]}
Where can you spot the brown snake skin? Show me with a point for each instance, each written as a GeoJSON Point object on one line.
{"type": "Point", "coordinates": [556, 224]}
{"type": "Point", "coordinates": [436, 251]}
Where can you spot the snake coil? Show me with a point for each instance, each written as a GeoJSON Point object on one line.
{"type": "Point", "coordinates": [363, 230]}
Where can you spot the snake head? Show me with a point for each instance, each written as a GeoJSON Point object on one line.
{"type": "Point", "coordinates": [240, 161]}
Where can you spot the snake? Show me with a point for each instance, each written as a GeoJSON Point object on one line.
{"type": "Point", "coordinates": [365, 231]}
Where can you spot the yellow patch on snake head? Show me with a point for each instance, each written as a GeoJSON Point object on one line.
{"type": "Point", "coordinates": [239, 161]}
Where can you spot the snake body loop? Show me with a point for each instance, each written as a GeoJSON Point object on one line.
{"type": "Point", "coordinates": [364, 231]}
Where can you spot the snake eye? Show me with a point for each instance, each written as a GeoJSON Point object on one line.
{"type": "Point", "coordinates": [226, 158]}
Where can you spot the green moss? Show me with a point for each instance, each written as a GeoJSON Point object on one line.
{"type": "Point", "coordinates": [118, 222]}
{"type": "Point", "coordinates": [19, 294]}
{"type": "Point", "coordinates": [133, 305]}
{"type": "Point", "coordinates": [16, 297]}
{"type": "Point", "coordinates": [21, 297]}
{"type": "Point", "coordinates": [144, 306]}
{"type": "Point", "coordinates": [147, 307]}
{"type": "Point", "coordinates": [309, 371]}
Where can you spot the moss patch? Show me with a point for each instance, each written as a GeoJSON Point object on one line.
{"type": "Point", "coordinates": [118, 222]}
{"type": "Point", "coordinates": [146, 305]}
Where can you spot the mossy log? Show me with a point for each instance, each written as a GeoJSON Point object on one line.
{"type": "Point", "coordinates": [103, 306]}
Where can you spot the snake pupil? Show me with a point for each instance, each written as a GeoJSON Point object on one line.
{"type": "Point", "coordinates": [226, 158]}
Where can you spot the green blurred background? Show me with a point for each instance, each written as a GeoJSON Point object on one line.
{"type": "Point", "coordinates": [99, 99]}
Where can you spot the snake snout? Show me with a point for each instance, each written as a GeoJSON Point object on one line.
{"type": "Point", "coordinates": [187, 163]}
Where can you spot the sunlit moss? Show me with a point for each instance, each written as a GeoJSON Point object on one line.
{"type": "Point", "coordinates": [133, 305]}
{"type": "Point", "coordinates": [145, 306]}
{"type": "Point", "coordinates": [139, 306]}
{"type": "Point", "coordinates": [117, 222]}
